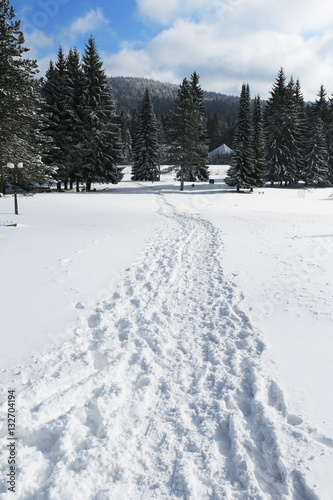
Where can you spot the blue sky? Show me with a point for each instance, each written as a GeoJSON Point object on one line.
{"type": "Point", "coordinates": [228, 42]}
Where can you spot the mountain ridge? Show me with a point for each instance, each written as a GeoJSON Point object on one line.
{"type": "Point", "coordinates": [128, 92]}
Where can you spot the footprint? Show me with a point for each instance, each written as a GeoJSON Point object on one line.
{"type": "Point", "coordinates": [294, 420]}
{"type": "Point", "coordinates": [94, 420]}
{"type": "Point", "coordinates": [320, 438]}
{"type": "Point", "coordinates": [276, 399]}
{"type": "Point", "coordinates": [142, 381]}
{"type": "Point", "coordinates": [100, 360]}
{"type": "Point", "coordinates": [123, 324]}
{"type": "Point", "coordinates": [94, 320]}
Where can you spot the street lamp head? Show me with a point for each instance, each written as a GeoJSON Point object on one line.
{"type": "Point", "coordinates": [11, 165]}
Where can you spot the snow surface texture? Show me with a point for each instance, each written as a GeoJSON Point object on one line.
{"type": "Point", "coordinates": [162, 390]}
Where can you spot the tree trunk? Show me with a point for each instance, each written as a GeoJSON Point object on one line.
{"type": "Point", "coordinates": [88, 185]}
{"type": "Point", "coordinates": [181, 179]}
{"type": "Point", "coordinates": [2, 184]}
{"type": "Point", "coordinates": [59, 186]}
{"type": "Point", "coordinates": [77, 185]}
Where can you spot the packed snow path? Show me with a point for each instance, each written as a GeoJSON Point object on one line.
{"type": "Point", "coordinates": [162, 392]}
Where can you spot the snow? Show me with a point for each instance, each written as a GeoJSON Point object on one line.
{"type": "Point", "coordinates": [169, 345]}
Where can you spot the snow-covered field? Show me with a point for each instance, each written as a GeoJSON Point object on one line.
{"type": "Point", "coordinates": [168, 345]}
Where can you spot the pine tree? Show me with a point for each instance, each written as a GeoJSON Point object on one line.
{"type": "Point", "coordinates": [74, 118]}
{"type": "Point", "coordinates": [54, 110]}
{"type": "Point", "coordinates": [275, 127]}
{"type": "Point", "coordinates": [100, 148]}
{"type": "Point", "coordinates": [146, 149]}
{"type": "Point", "coordinates": [241, 174]}
{"type": "Point", "coordinates": [323, 110]}
{"type": "Point", "coordinates": [259, 144]}
{"type": "Point", "coordinates": [188, 149]}
{"type": "Point", "coordinates": [214, 131]}
{"type": "Point", "coordinates": [126, 138]}
{"type": "Point", "coordinates": [182, 154]}
{"type": "Point", "coordinates": [321, 105]}
{"type": "Point", "coordinates": [161, 140]}
{"type": "Point", "coordinates": [291, 135]}
{"type": "Point", "coordinates": [199, 168]}
{"type": "Point", "coordinates": [317, 158]}
{"type": "Point", "coordinates": [20, 138]}
{"type": "Point", "coordinates": [329, 135]}
{"type": "Point", "coordinates": [301, 135]}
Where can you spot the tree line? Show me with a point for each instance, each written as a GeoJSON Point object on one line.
{"type": "Point", "coordinates": [79, 116]}
{"type": "Point", "coordinates": [66, 127]}
{"type": "Point", "coordinates": [286, 142]}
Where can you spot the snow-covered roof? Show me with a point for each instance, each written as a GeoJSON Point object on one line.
{"type": "Point", "coordinates": [221, 150]}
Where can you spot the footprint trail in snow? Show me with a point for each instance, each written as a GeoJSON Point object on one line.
{"type": "Point", "coordinates": [162, 391]}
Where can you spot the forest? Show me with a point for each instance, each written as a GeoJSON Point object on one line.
{"type": "Point", "coordinates": [77, 126]}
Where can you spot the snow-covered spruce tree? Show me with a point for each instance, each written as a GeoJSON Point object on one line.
{"type": "Point", "coordinates": [182, 154]}
{"type": "Point", "coordinates": [161, 139]}
{"type": "Point", "coordinates": [100, 148]}
{"type": "Point", "coordinates": [20, 138]}
{"type": "Point", "coordinates": [259, 144]}
{"type": "Point", "coordinates": [55, 117]}
{"type": "Point", "coordinates": [317, 156]}
{"type": "Point", "coordinates": [323, 110]}
{"type": "Point", "coordinates": [329, 135]}
{"type": "Point", "coordinates": [188, 150]}
{"type": "Point", "coordinates": [200, 169]}
{"type": "Point", "coordinates": [241, 173]}
{"type": "Point", "coordinates": [74, 124]}
{"type": "Point", "coordinates": [292, 135]}
{"type": "Point", "coordinates": [301, 130]}
{"type": "Point", "coordinates": [125, 121]}
{"type": "Point", "coordinates": [276, 131]}
{"type": "Point", "coordinates": [214, 131]}
{"type": "Point", "coordinates": [146, 148]}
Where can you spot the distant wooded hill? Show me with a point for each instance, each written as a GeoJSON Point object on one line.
{"type": "Point", "coordinates": [128, 93]}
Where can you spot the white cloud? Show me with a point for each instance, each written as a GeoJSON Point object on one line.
{"type": "Point", "coordinates": [229, 42]}
{"type": "Point", "coordinates": [166, 12]}
{"type": "Point", "coordinates": [38, 39]}
{"type": "Point", "coordinates": [89, 22]}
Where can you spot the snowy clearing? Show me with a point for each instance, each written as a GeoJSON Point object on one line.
{"type": "Point", "coordinates": [169, 345]}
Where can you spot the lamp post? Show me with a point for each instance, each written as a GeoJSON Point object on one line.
{"type": "Point", "coordinates": [12, 166]}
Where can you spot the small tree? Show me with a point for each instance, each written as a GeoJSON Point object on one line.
{"type": "Point", "coordinates": [146, 149]}
{"type": "Point", "coordinates": [241, 174]}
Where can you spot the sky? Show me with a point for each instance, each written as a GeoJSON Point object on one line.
{"type": "Point", "coordinates": [227, 42]}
